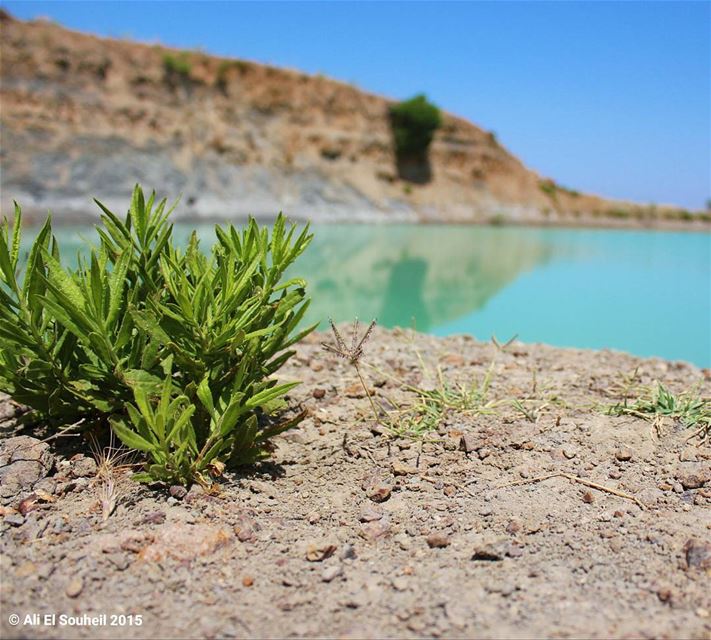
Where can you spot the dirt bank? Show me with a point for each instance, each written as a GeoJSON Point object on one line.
{"type": "Point", "coordinates": [351, 532]}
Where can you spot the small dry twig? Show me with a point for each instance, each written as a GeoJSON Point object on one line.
{"type": "Point", "coordinates": [571, 477]}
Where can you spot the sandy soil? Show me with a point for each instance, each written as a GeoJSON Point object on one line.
{"type": "Point", "coordinates": [350, 532]}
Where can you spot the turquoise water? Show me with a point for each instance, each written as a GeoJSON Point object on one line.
{"type": "Point", "coordinates": [644, 292]}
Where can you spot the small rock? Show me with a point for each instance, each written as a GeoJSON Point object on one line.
{"type": "Point", "coordinates": [318, 552]}
{"type": "Point", "coordinates": [74, 588]}
{"type": "Point", "coordinates": [348, 552]}
{"type": "Point", "coordinates": [487, 553]}
{"type": "Point", "coordinates": [514, 526]}
{"type": "Point", "coordinates": [380, 492]}
{"type": "Point", "coordinates": [569, 453]}
{"type": "Point", "coordinates": [30, 503]}
{"type": "Point", "coordinates": [438, 540]}
{"type": "Point", "coordinates": [76, 485]}
{"type": "Point", "coordinates": [400, 583]}
{"type": "Point", "coordinates": [331, 573]}
{"type": "Point", "coordinates": [196, 493]}
{"type": "Point", "coordinates": [119, 560]}
{"type": "Point", "coordinates": [513, 551]}
{"type": "Point", "coordinates": [688, 455]}
{"type": "Point", "coordinates": [698, 554]}
{"type": "Point", "coordinates": [247, 581]}
{"type": "Point", "coordinates": [371, 531]}
{"type": "Point", "coordinates": [318, 393]}
{"type": "Point", "coordinates": [354, 391]}
{"type": "Point", "coordinates": [665, 594]}
{"type": "Point", "coordinates": [82, 466]}
{"type": "Point", "coordinates": [616, 544]}
{"type": "Point", "coordinates": [24, 461]}
{"type": "Point", "coordinates": [403, 541]}
{"type": "Point", "coordinates": [693, 479]}
{"type": "Point", "coordinates": [246, 528]}
{"type": "Point", "coordinates": [400, 469]}
{"type": "Point", "coordinates": [624, 454]}
{"type": "Point", "coordinates": [469, 442]}
{"type": "Point", "coordinates": [484, 453]}
{"type": "Point", "coordinates": [156, 517]}
{"type": "Point", "coordinates": [14, 519]}
{"type": "Point", "coordinates": [26, 569]}
{"type": "Point", "coordinates": [178, 491]}
{"type": "Point", "coordinates": [370, 513]}
{"type": "Point", "coordinates": [185, 542]}
{"type": "Point", "coordinates": [588, 497]}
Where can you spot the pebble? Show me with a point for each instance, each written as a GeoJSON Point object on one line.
{"type": "Point", "coordinates": [119, 560]}
{"type": "Point", "coordinates": [318, 393]}
{"type": "Point", "coordinates": [178, 491]}
{"type": "Point", "coordinates": [155, 517]}
{"type": "Point", "coordinates": [698, 554]}
{"type": "Point", "coordinates": [373, 530]}
{"type": "Point", "coordinates": [438, 540]}
{"type": "Point", "coordinates": [588, 497]}
{"type": "Point", "coordinates": [348, 552]}
{"type": "Point", "coordinates": [487, 552]}
{"type": "Point", "coordinates": [400, 583]}
{"type": "Point", "coordinates": [319, 551]}
{"type": "Point", "coordinates": [331, 573]}
{"type": "Point", "coordinates": [380, 492]}
{"type": "Point", "coordinates": [469, 442]}
{"type": "Point", "coordinates": [514, 526]}
{"type": "Point", "coordinates": [403, 541]}
{"type": "Point", "coordinates": [624, 454]}
{"type": "Point", "coordinates": [14, 519]}
{"type": "Point", "coordinates": [82, 466]}
{"type": "Point", "coordinates": [370, 513]}
{"type": "Point", "coordinates": [401, 469]}
{"type": "Point", "coordinates": [693, 480]}
{"type": "Point", "coordinates": [247, 581]}
{"type": "Point", "coordinates": [74, 588]}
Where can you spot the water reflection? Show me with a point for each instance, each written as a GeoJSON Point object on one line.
{"type": "Point", "coordinates": [405, 277]}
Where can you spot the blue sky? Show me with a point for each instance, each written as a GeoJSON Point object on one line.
{"type": "Point", "coordinates": [607, 97]}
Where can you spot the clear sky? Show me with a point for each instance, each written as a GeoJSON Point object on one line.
{"type": "Point", "coordinates": [608, 97]}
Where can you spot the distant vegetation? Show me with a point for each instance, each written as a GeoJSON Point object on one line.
{"type": "Point", "coordinates": [177, 65]}
{"type": "Point", "coordinates": [414, 123]}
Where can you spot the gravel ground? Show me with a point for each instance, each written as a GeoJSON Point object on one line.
{"type": "Point", "coordinates": [352, 532]}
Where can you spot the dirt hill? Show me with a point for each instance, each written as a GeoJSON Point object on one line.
{"type": "Point", "coordinates": [83, 116]}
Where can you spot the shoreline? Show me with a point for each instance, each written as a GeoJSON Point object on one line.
{"type": "Point", "coordinates": [33, 218]}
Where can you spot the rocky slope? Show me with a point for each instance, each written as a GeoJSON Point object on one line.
{"type": "Point", "coordinates": [83, 116]}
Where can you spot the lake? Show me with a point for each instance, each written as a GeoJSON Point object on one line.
{"type": "Point", "coordinates": [644, 292]}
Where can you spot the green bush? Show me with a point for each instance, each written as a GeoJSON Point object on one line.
{"type": "Point", "coordinates": [414, 123]}
{"type": "Point", "coordinates": [175, 349]}
{"type": "Point", "coordinates": [548, 187]}
{"type": "Point", "coordinates": [177, 65]}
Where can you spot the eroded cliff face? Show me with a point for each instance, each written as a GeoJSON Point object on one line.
{"type": "Point", "coordinates": [83, 117]}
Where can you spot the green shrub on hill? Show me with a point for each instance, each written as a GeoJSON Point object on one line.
{"type": "Point", "coordinates": [414, 123]}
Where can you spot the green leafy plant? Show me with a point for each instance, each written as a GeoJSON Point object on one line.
{"type": "Point", "coordinates": [176, 349]}
{"type": "Point", "coordinates": [414, 123]}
